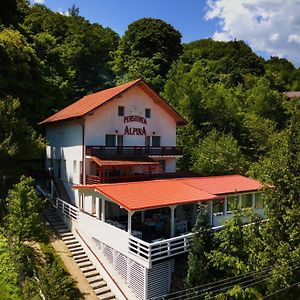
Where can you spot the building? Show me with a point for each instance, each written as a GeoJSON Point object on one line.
{"type": "Point", "coordinates": [115, 153]}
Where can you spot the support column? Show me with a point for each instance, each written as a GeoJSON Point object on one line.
{"type": "Point", "coordinates": [143, 216]}
{"type": "Point", "coordinates": [172, 208]}
{"type": "Point", "coordinates": [103, 210]}
{"type": "Point", "coordinates": [130, 214]}
{"type": "Point", "coordinates": [98, 208]}
{"type": "Point", "coordinates": [80, 204]}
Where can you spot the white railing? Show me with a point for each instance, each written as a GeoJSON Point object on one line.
{"type": "Point", "coordinates": [161, 249]}
{"type": "Point", "coordinates": [65, 208]}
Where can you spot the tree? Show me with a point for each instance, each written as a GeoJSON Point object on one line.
{"type": "Point", "coordinates": [199, 269]}
{"type": "Point", "coordinates": [150, 40]}
{"type": "Point", "coordinates": [218, 154]}
{"type": "Point", "coordinates": [8, 276]}
{"type": "Point", "coordinates": [55, 284]}
{"type": "Point", "coordinates": [23, 211]}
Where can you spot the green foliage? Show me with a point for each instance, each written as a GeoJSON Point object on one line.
{"type": "Point", "coordinates": [147, 49]}
{"type": "Point", "coordinates": [199, 268]}
{"type": "Point", "coordinates": [9, 289]}
{"type": "Point", "coordinates": [56, 284]}
{"type": "Point", "coordinates": [218, 154]}
{"type": "Point", "coordinates": [23, 207]}
{"type": "Point", "coordinates": [17, 139]}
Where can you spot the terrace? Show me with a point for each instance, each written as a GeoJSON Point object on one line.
{"type": "Point", "coordinates": [153, 220]}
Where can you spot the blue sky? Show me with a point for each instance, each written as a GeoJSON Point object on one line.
{"type": "Point", "coordinates": [270, 27]}
{"type": "Point", "coordinates": [186, 16]}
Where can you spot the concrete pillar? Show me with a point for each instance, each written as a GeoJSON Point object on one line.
{"type": "Point", "coordinates": [98, 208]}
{"type": "Point", "coordinates": [103, 210]}
{"type": "Point", "coordinates": [130, 214]}
{"type": "Point", "coordinates": [172, 208]}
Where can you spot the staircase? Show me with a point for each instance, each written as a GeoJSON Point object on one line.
{"type": "Point", "coordinates": [61, 190]}
{"type": "Point", "coordinates": [94, 278]}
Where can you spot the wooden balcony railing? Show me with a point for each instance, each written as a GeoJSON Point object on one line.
{"type": "Point", "coordinates": [132, 150]}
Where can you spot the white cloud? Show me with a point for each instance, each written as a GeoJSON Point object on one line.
{"type": "Point", "coordinates": [64, 13]}
{"type": "Point", "coordinates": [294, 38]}
{"type": "Point", "coordinates": [38, 1]}
{"type": "Point", "coordinates": [271, 26]}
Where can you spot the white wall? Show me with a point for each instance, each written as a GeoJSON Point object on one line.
{"type": "Point", "coordinates": [106, 120]}
{"type": "Point", "coordinates": [66, 141]}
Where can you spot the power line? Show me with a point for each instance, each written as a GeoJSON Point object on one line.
{"type": "Point", "coordinates": [277, 292]}
{"type": "Point", "coordinates": [217, 285]}
{"type": "Point", "coordinates": [208, 297]}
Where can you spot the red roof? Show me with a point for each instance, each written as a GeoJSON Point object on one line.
{"type": "Point", "coordinates": [159, 193]}
{"type": "Point", "coordinates": [93, 101]}
{"type": "Point", "coordinates": [225, 184]}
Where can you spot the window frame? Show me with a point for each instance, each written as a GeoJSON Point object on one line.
{"type": "Point", "coordinates": [148, 113]}
{"type": "Point", "coordinates": [158, 138]}
{"type": "Point", "coordinates": [121, 111]}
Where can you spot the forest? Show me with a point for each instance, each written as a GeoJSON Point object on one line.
{"type": "Point", "coordinates": [239, 122]}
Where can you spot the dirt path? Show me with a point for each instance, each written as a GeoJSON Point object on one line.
{"type": "Point", "coordinates": [71, 266]}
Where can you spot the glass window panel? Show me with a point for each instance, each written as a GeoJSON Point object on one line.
{"type": "Point", "coordinates": [246, 200]}
{"type": "Point", "coordinates": [156, 141]}
{"type": "Point", "coordinates": [148, 113]}
{"type": "Point", "coordinates": [232, 202]}
{"type": "Point", "coordinates": [110, 140]}
{"type": "Point", "coordinates": [258, 201]}
{"type": "Point", "coordinates": [120, 140]}
{"type": "Point", "coordinates": [218, 207]}
{"type": "Point", "coordinates": [147, 141]}
{"type": "Point", "coordinates": [120, 110]}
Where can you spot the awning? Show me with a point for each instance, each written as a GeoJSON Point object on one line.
{"type": "Point", "coordinates": [124, 162]}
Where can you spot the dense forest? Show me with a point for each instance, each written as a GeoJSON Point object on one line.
{"type": "Point", "coordinates": [240, 121]}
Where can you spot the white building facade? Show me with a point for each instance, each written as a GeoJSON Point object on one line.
{"type": "Point", "coordinates": [115, 151]}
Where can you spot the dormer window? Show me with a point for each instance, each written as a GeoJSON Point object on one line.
{"type": "Point", "coordinates": [121, 111]}
{"type": "Point", "coordinates": [148, 113]}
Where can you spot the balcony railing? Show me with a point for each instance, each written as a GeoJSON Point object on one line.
{"type": "Point", "coordinates": [132, 151]}
{"type": "Point", "coordinates": [92, 179]}
{"type": "Point", "coordinates": [161, 249]}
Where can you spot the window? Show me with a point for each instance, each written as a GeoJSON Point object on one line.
{"type": "Point", "coordinates": [148, 113]}
{"type": "Point", "coordinates": [147, 141]}
{"type": "Point", "coordinates": [246, 201]}
{"type": "Point", "coordinates": [121, 111]}
{"type": "Point", "coordinates": [119, 140]}
{"type": "Point", "coordinates": [161, 167]}
{"type": "Point", "coordinates": [258, 201]}
{"type": "Point", "coordinates": [74, 166]}
{"type": "Point", "coordinates": [218, 207]}
{"type": "Point", "coordinates": [232, 203]}
{"type": "Point", "coordinates": [110, 140]}
{"type": "Point", "coordinates": [156, 141]}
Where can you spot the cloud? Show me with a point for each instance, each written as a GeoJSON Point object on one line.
{"type": "Point", "coordinates": [271, 26]}
{"type": "Point", "coordinates": [38, 1]}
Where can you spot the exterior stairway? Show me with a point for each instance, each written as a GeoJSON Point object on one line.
{"type": "Point", "coordinates": [99, 286]}
{"type": "Point", "coordinates": [61, 190]}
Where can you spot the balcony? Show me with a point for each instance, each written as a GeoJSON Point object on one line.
{"type": "Point", "coordinates": [92, 179]}
{"type": "Point", "coordinates": [133, 151]}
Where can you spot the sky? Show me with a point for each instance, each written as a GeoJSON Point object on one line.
{"type": "Point", "coordinates": [269, 27]}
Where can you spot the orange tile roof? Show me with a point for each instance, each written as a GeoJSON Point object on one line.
{"type": "Point", "coordinates": [127, 161]}
{"type": "Point", "coordinates": [225, 184]}
{"type": "Point", "coordinates": [93, 101]}
{"type": "Point", "coordinates": [178, 191]}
